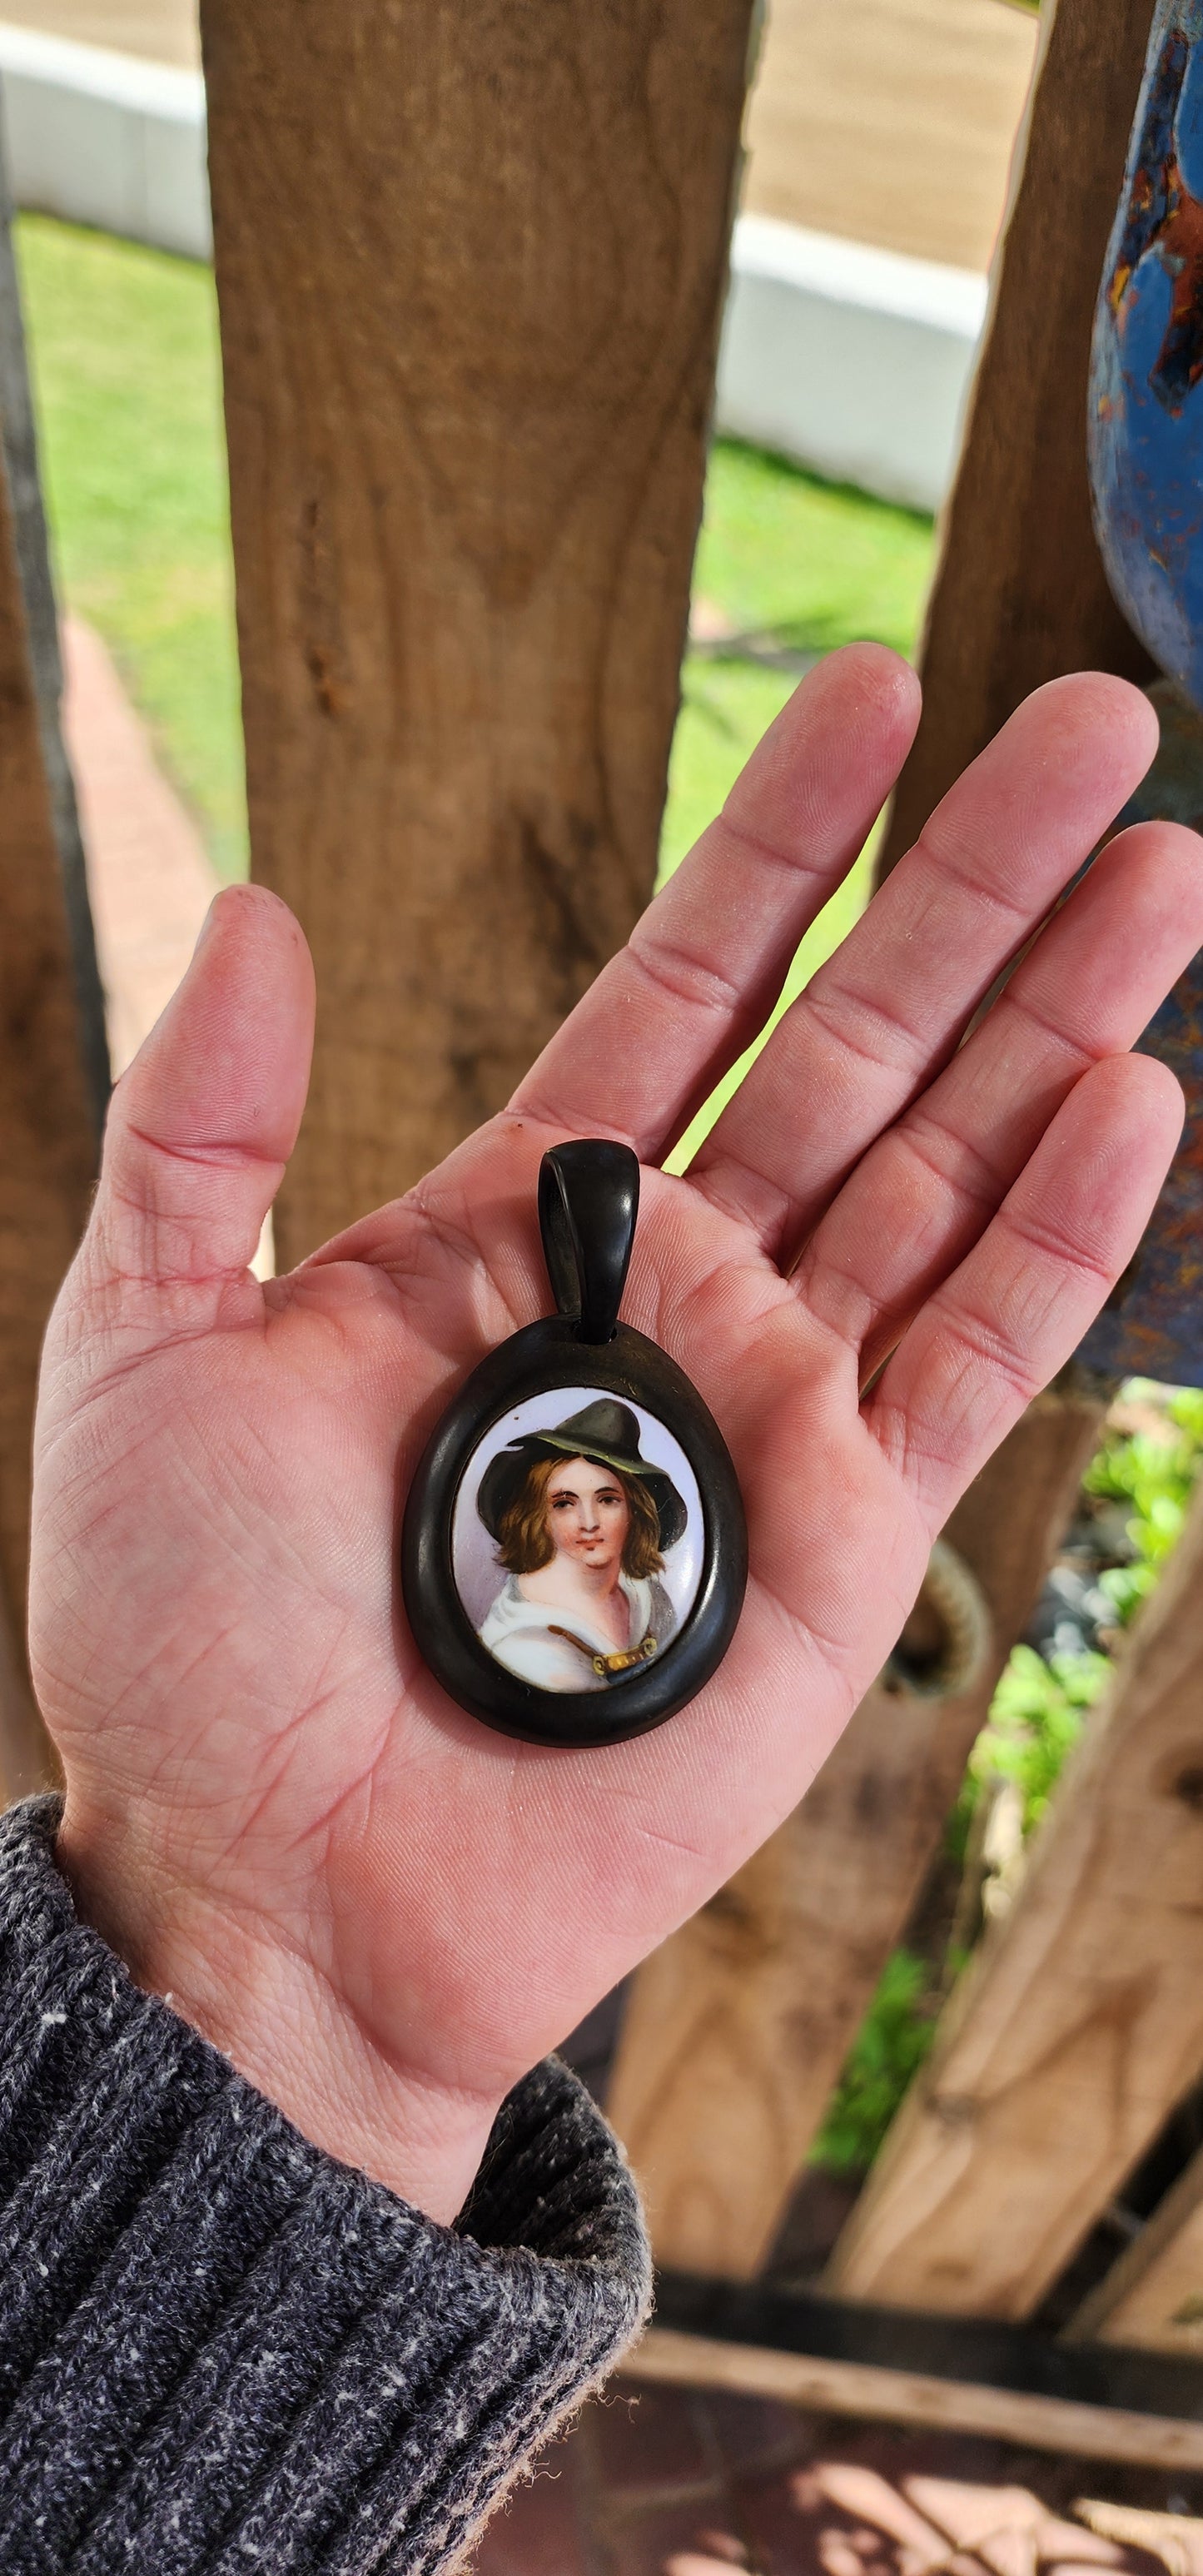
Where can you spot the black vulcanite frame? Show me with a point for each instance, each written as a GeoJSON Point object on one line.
{"type": "Point", "coordinates": [588, 1200]}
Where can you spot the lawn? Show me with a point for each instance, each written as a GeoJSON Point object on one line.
{"type": "Point", "coordinates": [123, 347]}
{"type": "Point", "coordinates": [123, 344]}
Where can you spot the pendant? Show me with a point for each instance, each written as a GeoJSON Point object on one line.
{"type": "Point", "coordinates": [574, 1552]}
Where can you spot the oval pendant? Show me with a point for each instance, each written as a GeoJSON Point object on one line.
{"type": "Point", "coordinates": [574, 1552]}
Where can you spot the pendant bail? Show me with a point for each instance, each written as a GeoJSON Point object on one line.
{"type": "Point", "coordinates": [588, 1203]}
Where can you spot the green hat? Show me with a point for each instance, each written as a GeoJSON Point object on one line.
{"type": "Point", "coordinates": [607, 1434]}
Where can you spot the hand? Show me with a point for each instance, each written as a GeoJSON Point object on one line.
{"type": "Point", "coordinates": [383, 1912]}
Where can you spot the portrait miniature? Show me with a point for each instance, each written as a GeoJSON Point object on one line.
{"type": "Point", "coordinates": [578, 1542]}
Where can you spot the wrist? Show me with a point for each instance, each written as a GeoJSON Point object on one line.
{"type": "Point", "coordinates": [272, 2012]}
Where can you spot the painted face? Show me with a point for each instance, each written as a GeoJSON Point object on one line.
{"type": "Point", "coordinates": [588, 1515]}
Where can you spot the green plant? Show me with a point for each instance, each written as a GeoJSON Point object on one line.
{"type": "Point", "coordinates": [888, 2050]}
{"type": "Point", "coordinates": [1036, 1717]}
{"type": "Point", "coordinates": [1155, 1469]}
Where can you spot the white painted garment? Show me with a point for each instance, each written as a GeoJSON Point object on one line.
{"type": "Point", "coordinates": [518, 1633]}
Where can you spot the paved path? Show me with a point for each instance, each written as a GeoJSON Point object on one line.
{"type": "Point", "coordinates": [889, 122]}
{"type": "Point", "coordinates": [149, 875]}
{"type": "Point", "coordinates": [164, 30]}
{"type": "Point", "coordinates": [676, 2483]}
{"type": "Point", "coordinates": [892, 121]}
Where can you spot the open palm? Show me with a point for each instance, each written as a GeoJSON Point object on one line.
{"type": "Point", "coordinates": [384, 1912]}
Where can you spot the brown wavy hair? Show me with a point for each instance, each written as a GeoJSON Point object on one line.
{"type": "Point", "coordinates": [525, 1543]}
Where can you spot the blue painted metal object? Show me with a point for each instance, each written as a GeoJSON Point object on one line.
{"type": "Point", "coordinates": [1146, 391]}
{"type": "Point", "coordinates": [1145, 442]}
{"type": "Point", "coordinates": [1152, 1325]}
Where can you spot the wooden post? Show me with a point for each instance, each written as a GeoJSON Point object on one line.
{"type": "Point", "coordinates": [470, 272]}
{"type": "Point", "coordinates": [1153, 2295]}
{"type": "Point", "coordinates": [737, 2028]}
{"type": "Point", "coordinates": [1082, 2024]}
{"type": "Point", "coordinates": [1020, 594]}
{"type": "Point", "coordinates": [53, 1068]}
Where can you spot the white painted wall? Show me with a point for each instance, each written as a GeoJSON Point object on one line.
{"type": "Point", "coordinates": [851, 360]}
{"type": "Point", "coordinates": [106, 139]}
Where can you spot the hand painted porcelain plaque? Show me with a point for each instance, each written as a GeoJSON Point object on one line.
{"type": "Point", "coordinates": [574, 1553]}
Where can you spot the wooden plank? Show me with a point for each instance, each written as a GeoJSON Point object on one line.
{"type": "Point", "coordinates": [1082, 2024]}
{"type": "Point", "coordinates": [737, 2028]}
{"type": "Point", "coordinates": [470, 294]}
{"type": "Point", "coordinates": [48, 1112]}
{"type": "Point", "coordinates": [904, 2397]}
{"type": "Point", "coordinates": [1020, 594]}
{"type": "Point", "coordinates": [1153, 2295]}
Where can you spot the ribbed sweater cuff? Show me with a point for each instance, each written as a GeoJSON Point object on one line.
{"type": "Point", "coordinates": [222, 2350]}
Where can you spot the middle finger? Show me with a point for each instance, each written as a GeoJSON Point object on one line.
{"type": "Point", "coordinates": [877, 1022]}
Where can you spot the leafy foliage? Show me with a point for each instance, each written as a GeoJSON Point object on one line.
{"type": "Point", "coordinates": [1036, 1717]}
{"type": "Point", "coordinates": [1156, 1473]}
{"type": "Point", "coordinates": [888, 2050]}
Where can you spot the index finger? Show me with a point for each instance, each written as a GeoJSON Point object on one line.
{"type": "Point", "coordinates": [703, 968]}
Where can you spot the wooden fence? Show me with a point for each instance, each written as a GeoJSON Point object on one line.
{"type": "Point", "coordinates": [469, 299]}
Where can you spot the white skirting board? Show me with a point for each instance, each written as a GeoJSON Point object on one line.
{"type": "Point", "coordinates": [850, 360]}
{"type": "Point", "coordinates": [106, 139]}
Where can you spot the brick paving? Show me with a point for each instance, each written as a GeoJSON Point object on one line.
{"type": "Point", "coordinates": [149, 876]}
{"type": "Point", "coordinates": [655, 2481]}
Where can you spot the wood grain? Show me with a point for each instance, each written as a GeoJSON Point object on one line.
{"type": "Point", "coordinates": [738, 2026]}
{"type": "Point", "coordinates": [49, 1111]}
{"type": "Point", "coordinates": [1082, 2024]}
{"type": "Point", "coordinates": [908, 2397]}
{"type": "Point", "coordinates": [470, 281]}
{"type": "Point", "coordinates": [1153, 2296]}
{"type": "Point", "coordinates": [1020, 595]}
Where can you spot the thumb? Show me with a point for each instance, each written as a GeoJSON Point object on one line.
{"type": "Point", "coordinates": [202, 1124]}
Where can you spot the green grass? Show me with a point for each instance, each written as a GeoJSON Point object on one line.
{"type": "Point", "coordinates": [123, 344]}
{"type": "Point", "coordinates": [809, 565]}
{"type": "Point", "coordinates": [123, 349]}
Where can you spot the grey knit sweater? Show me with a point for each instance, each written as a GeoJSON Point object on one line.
{"type": "Point", "coordinates": [221, 2350]}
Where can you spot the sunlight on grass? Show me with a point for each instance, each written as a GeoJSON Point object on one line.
{"type": "Point", "coordinates": [823, 936]}
{"type": "Point", "coordinates": [816, 561]}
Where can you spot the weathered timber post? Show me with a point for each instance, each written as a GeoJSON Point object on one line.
{"type": "Point", "coordinates": [1020, 594]}
{"type": "Point", "coordinates": [737, 2028]}
{"type": "Point", "coordinates": [53, 1061]}
{"type": "Point", "coordinates": [1153, 2293]}
{"type": "Point", "coordinates": [470, 270]}
{"type": "Point", "coordinates": [1081, 2024]}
